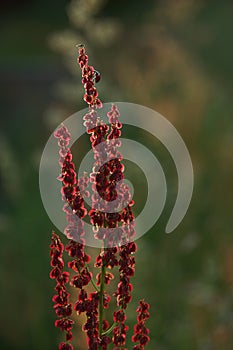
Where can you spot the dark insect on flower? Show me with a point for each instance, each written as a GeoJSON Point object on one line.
{"type": "Point", "coordinates": [97, 76]}
{"type": "Point", "coordinates": [80, 46]}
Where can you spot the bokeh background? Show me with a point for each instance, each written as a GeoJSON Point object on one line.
{"type": "Point", "coordinates": [172, 56]}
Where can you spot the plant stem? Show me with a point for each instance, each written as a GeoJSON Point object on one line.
{"type": "Point", "coordinates": [101, 296]}
{"type": "Point", "coordinates": [94, 285]}
{"type": "Point", "coordinates": [108, 331]}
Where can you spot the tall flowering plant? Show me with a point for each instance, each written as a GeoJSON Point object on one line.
{"type": "Point", "coordinates": [112, 219]}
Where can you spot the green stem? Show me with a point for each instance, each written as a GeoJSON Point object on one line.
{"type": "Point", "coordinates": [108, 331]}
{"type": "Point", "coordinates": [101, 296]}
{"type": "Point", "coordinates": [94, 285]}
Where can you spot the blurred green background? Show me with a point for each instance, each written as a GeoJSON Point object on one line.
{"type": "Point", "coordinates": [172, 56]}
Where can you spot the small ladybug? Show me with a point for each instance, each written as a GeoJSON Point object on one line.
{"type": "Point", "coordinates": [97, 76]}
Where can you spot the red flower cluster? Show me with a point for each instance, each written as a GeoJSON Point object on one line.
{"type": "Point", "coordinates": [123, 293]}
{"type": "Point", "coordinates": [78, 264]}
{"type": "Point", "coordinates": [91, 325]}
{"type": "Point", "coordinates": [62, 306]}
{"type": "Point", "coordinates": [140, 330]}
{"type": "Point", "coordinates": [86, 304]}
{"type": "Point", "coordinates": [71, 193]}
{"type": "Point", "coordinates": [89, 77]}
{"type": "Point", "coordinates": [113, 222]}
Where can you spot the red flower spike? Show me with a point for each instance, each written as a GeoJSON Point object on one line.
{"type": "Point", "coordinates": [140, 330]}
{"type": "Point", "coordinates": [116, 229]}
{"type": "Point", "coordinates": [90, 76]}
{"type": "Point", "coordinates": [62, 306]}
